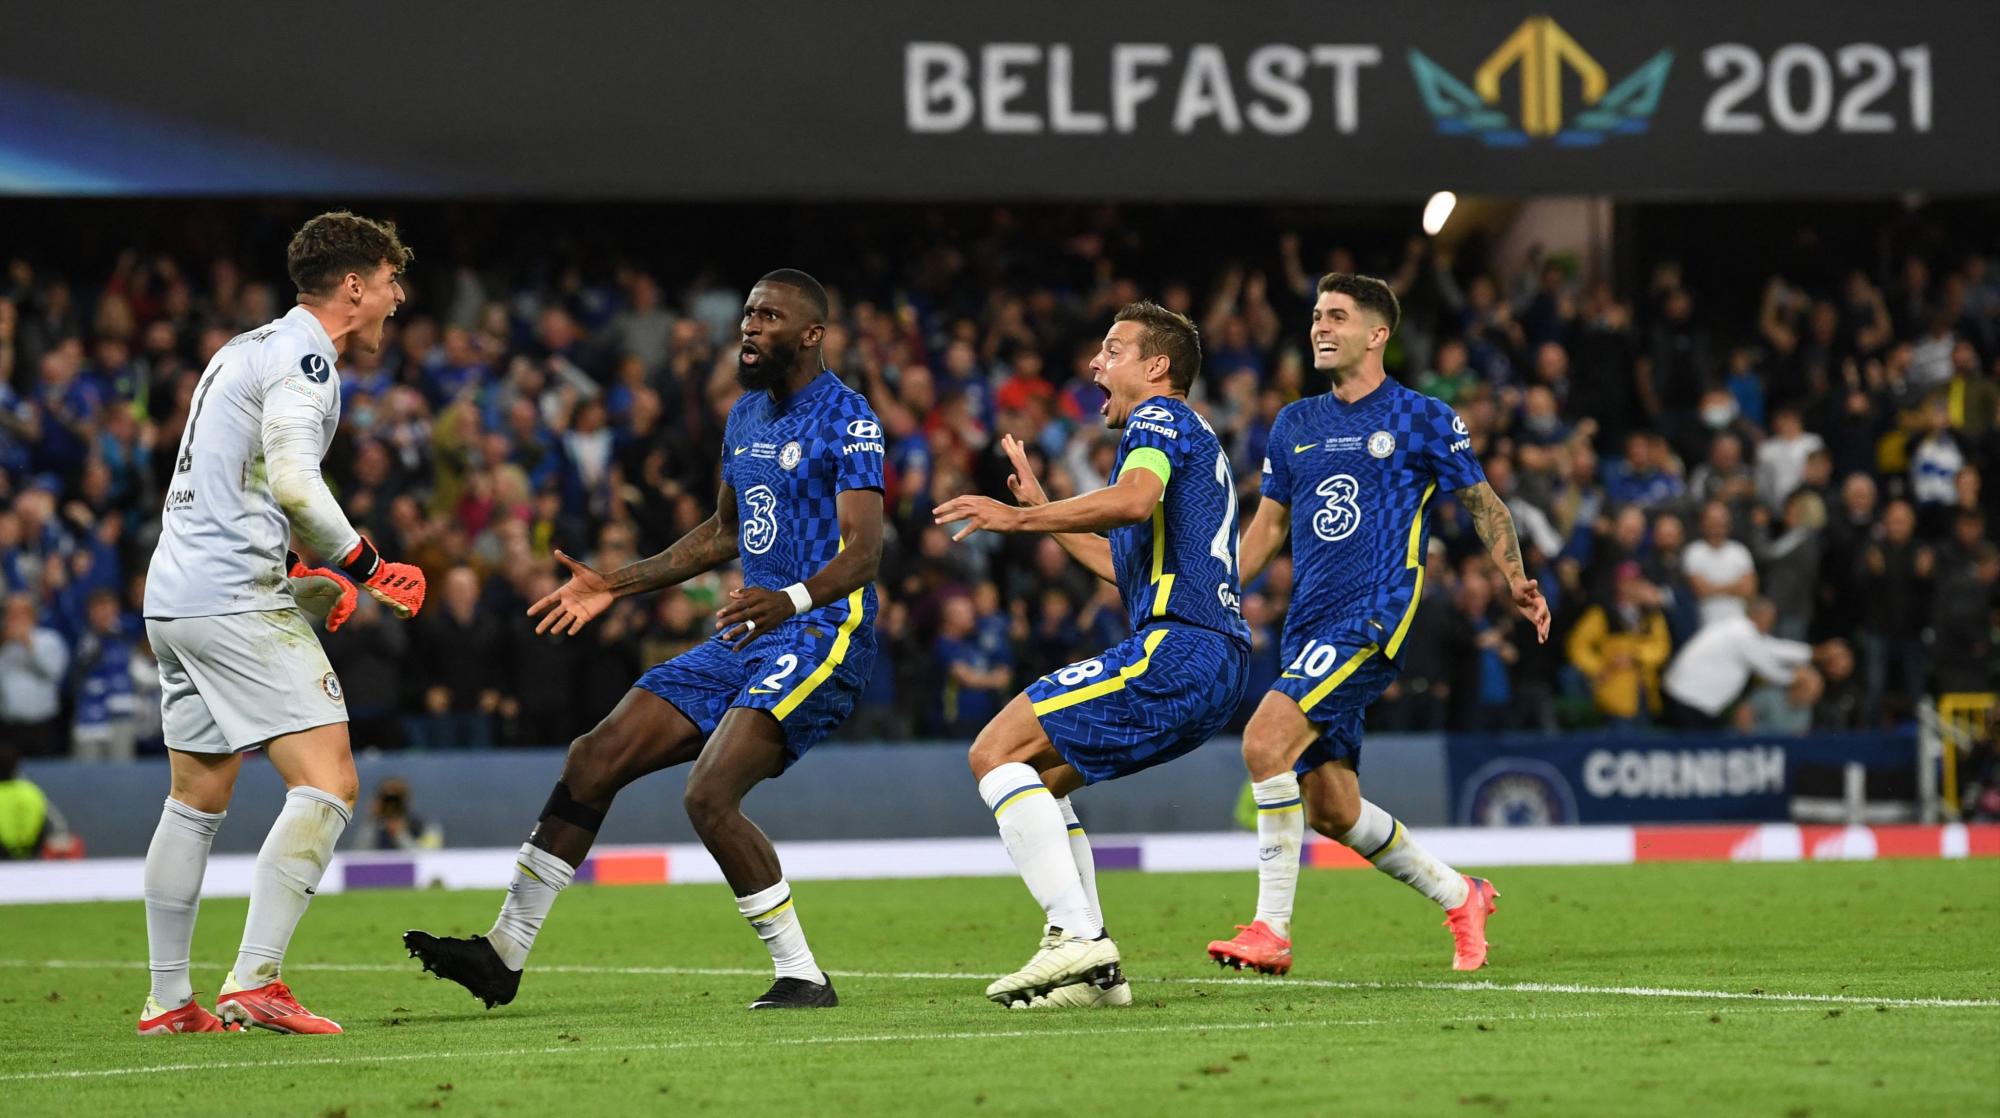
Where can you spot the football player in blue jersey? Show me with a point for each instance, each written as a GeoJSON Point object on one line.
{"type": "Point", "coordinates": [1170, 515]}
{"type": "Point", "coordinates": [1350, 477]}
{"type": "Point", "coordinates": [801, 505]}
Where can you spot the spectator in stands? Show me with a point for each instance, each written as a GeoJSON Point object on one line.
{"type": "Point", "coordinates": [1420, 701]}
{"type": "Point", "coordinates": [1789, 562]}
{"type": "Point", "coordinates": [1720, 570]}
{"type": "Point", "coordinates": [1841, 699]}
{"type": "Point", "coordinates": [1663, 570]}
{"type": "Point", "coordinates": [1621, 650]}
{"type": "Point", "coordinates": [1644, 477]}
{"type": "Point", "coordinates": [1781, 458]}
{"type": "Point", "coordinates": [1962, 623]}
{"type": "Point", "coordinates": [1707, 676]}
{"type": "Point", "coordinates": [1935, 460]}
{"type": "Point", "coordinates": [1894, 581]}
{"type": "Point", "coordinates": [1727, 478]}
{"type": "Point", "coordinates": [543, 673]}
{"type": "Point", "coordinates": [1484, 682]}
{"type": "Point", "coordinates": [458, 655]}
{"type": "Point", "coordinates": [1784, 710]}
{"type": "Point", "coordinates": [32, 662]}
{"type": "Point", "coordinates": [1683, 368]}
{"type": "Point", "coordinates": [391, 824]}
{"type": "Point", "coordinates": [977, 668]}
{"type": "Point", "coordinates": [104, 728]}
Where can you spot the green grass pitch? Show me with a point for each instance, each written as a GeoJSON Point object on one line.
{"type": "Point", "coordinates": [1781, 990]}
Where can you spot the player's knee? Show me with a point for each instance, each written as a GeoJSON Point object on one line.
{"type": "Point", "coordinates": [590, 768]}
{"type": "Point", "coordinates": [707, 804]}
{"type": "Point", "coordinates": [1264, 756]}
{"type": "Point", "coordinates": [1332, 820]}
{"type": "Point", "coordinates": [347, 787]}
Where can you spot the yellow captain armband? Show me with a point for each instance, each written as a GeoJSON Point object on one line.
{"type": "Point", "coordinates": [1150, 459]}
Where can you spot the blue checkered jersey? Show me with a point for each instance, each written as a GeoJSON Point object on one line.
{"type": "Point", "coordinates": [1180, 563]}
{"type": "Point", "coordinates": [1359, 479]}
{"type": "Point", "coordinates": [787, 463]}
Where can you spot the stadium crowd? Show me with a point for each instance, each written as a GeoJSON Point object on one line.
{"type": "Point", "coordinates": [1812, 463]}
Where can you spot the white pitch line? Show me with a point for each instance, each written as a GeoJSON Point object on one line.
{"type": "Point", "coordinates": [362, 1060]}
{"type": "Point", "coordinates": [1469, 986]}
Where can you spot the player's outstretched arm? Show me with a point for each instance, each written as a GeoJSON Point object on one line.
{"type": "Point", "coordinates": [1496, 531]}
{"type": "Point", "coordinates": [1262, 539]}
{"type": "Point", "coordinates": [590, 592]}
{"type": "Point", "coordinates": [753, 610]}
{"type": "Point", "coordinates": [1128, 501]}
{"type": "Point", "coordinates": [291, 436]}
{"type": "Point", "coordinates": [1093, 551]}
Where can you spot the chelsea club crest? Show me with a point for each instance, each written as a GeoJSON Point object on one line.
{"type": "Point", "coordinates": [1381, 444]}
{"type": "Point", "coordinates": [790, 456]}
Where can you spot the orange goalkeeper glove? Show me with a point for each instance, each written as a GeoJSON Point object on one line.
{"type": "Point", "coordinates": [400, 586]}
{"type": "Point", "coordinates": [322, 592]}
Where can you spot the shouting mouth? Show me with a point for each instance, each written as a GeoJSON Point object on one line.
{"type": "Point", "coordinates": [751, 354]}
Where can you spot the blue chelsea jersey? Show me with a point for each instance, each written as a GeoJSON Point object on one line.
{"type": "Point", "coordinates": [788, 463]}
{"type": "Point", "coordinates": [1359, 479]}
{"type": "Point", "coordinates": [1180, 563]}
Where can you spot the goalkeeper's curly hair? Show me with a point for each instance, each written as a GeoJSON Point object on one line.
{"type": "Point", "coordinates": [328, 247]}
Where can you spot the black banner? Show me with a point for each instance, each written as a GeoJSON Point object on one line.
{"type": "Point", "coordinates": [1185, 99]}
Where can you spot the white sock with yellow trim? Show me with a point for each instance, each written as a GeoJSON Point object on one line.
{"type": "Point", "coordinates": [1032, 827]}
{"type": "Point", "coordinates": [538, 877]}
{"type": "Point", "coordinates": [776, 921]}
{"type": "Point", "coordinates": [1281, 831]}
{"type": "Point", "coordinates": [1378, 837]}
{"type": "Point", "coordinates": [1079, 852]}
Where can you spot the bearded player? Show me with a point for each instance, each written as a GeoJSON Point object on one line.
{"type": "Point", "coordinates": [1350, 477]}
{"type": "Point", "coordinates": [1171, 518]}
{"type": "Point", "coordinates": [801, 504]}
{"type": "Point", "coordinates": [240, 667]}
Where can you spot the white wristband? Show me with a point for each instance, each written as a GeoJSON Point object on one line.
{"type": "Point", "coordinates": [802, 599]}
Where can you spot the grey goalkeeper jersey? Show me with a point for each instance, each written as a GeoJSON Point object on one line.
{"type": "Point", "coordinates": [247, 473]}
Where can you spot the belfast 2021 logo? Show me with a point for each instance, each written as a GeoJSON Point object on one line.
{"type": "Point", "coordinates": [1542, 51]}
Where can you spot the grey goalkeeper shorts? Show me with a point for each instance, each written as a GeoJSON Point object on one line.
{"type": "Point", "coordinates": [232, 682]}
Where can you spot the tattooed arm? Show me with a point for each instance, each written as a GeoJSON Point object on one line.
{"type": "Point", "coordinates": [1496, 530]}
{"type": "Point", "coordinates": [710, 544]}
{"type": "Point", "coordinates": [589, 592]}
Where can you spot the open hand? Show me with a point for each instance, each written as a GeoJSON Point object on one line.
{"type": "Point", "coordinates": [978, 512]}
{"type": "Point", "coordinates": [1027, 488]}
{"type": "Point", "coordinates": [571, 606]}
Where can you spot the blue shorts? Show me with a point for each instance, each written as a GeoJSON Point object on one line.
{"type": "Point", "coordinates": [1151, 698]}
{"type": "Point", "coordinates": [1333, 682]}
{"type": "Point", "coordinates": [808, 683]}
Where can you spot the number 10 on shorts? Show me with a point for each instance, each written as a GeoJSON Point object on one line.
{"type": "Point", "coordinates": [1315, 660]}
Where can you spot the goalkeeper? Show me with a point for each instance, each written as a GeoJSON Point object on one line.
{"type": "Point", "coordinates": [240, 666]}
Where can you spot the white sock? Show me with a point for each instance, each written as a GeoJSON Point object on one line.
{"type": "Point", "coordinates": [538, 877]}
{"type": "Point", "coordinates": [1086, 862]}
{"type": "Point", "coordinates": [776, 922]}
{"type": "Point", "coordinates": [1281, 831]}
{"type": "Point", "coordinates": [1032, 827]}
{"type": "Point", "coordinates": [175, 861]}
{"type": "Point", "coordinates": [288, 869]}
{"type": "Point", "coordinates": [1380, 838]}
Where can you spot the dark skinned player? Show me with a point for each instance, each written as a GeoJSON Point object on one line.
{"type": "Point", "coordinates": [800, 504]}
